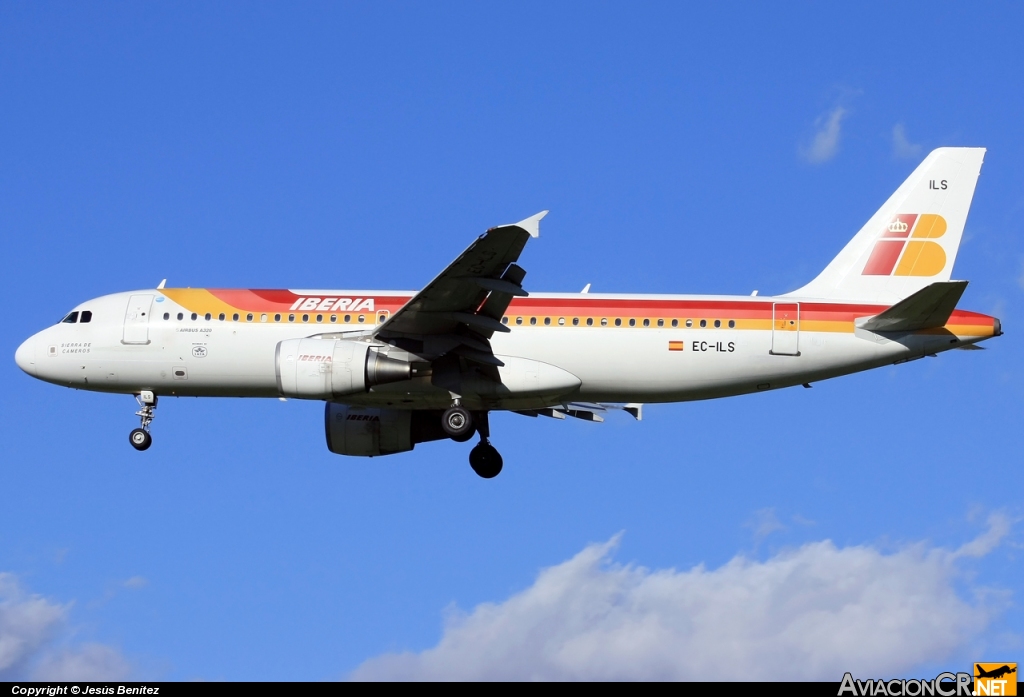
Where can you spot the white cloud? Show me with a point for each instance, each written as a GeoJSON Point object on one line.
{"type": "Point", "coordinates": [136, 582]}
{"type": "Point", "coordinates": [29, 627]}
{"type": "Point", "coordinates": [26, 623]}
{"type": "Point", "coordinates": [825, 143]}
{"type": "Point", "coordinates": [901, 147]}
{"type": "Point", "coordinates": [764, 523]}
{"type": "Point", "coordinates": [806, 614]}
{"type": "Point", "coordinates": [88, 662]}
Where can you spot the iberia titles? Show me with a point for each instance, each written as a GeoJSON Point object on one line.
{"type": "Point", "coordinates": [333, 304]}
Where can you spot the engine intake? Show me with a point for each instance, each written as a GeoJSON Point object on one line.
{"type": "Point", "coordinates": [327, 368]}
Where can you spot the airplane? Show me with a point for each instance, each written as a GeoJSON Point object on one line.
{"type": "Point", "coordinates": [396, 369]}
{"type": "Point", "coordinates": [995, 673]}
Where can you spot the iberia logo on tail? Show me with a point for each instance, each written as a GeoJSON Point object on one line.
{"type": "Point", "coordinates": [906, 239]}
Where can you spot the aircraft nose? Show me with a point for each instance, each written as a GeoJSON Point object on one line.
{"type": "Point", "coordinates": [25, 356]}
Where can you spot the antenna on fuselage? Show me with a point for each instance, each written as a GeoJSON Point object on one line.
{"type": "Point", "coordinates": [586, 289]}
{"type": "Point", "coordinates": [162, 284]}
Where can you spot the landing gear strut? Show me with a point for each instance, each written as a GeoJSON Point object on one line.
{"type": "Point", "coordinates": [139, 437]}
{"type": "Point", "coordinates": [485, 458]}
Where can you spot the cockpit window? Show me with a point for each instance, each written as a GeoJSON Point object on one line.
{"type": "Point", "coordinates": [86, 316]}
{"type": "Point", "coordinates": [71, 318]}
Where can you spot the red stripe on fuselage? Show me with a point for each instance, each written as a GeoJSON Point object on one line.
{"type": "Point", "coordinates": [272, 300]}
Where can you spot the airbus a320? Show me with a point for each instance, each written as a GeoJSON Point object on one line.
{"type": "Point", "coordinates": [399, 368]}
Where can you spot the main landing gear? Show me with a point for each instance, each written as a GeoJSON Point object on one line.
{"type": "Point", "coordinates": [457, 422]}
{"type": "Point", "coordinates": [460, 425]}
{"type": "Point", "coordinates": [139, 437]}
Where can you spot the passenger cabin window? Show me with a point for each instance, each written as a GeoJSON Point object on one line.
{"type": "Point", "coordinates": [661, 323]}
{"type": "Point", "coordinates": [533, 320]}
{"type": "Point", "coordinates": [575, 321]}
{"type": "Point", "coordinates": [504, 320]}
{"type": "Point", "coordinates": [208, 316]}
{"type": "Point", "coordinates": [590, 321]}
{"type": "Point", "coordinates": [689, 323]}
{"type": "Point", "coordinates": [195, 316]}
{"type": "Point", "coordinates": [234, 317]}
{"type": "Point", "coordinates": [703, 323]}
{"type": "Point", "coordinates": [632, 322]}
{"type": "Point", "coordinates": [618, 322]}
{"type": "Point", "coordinates": [305, 318]}
{"type": "Point", "coordinates": [248, 317]}
{"type": "Point", "coordinates": [334, 318]}
{"type": "Point", "coordinates": [718, 323]}
{"type": "Point", "coordinates": [732, 324]}
{"type": "Point", "coordinates": [221, 317]}
{"type": "Point", "coordinates": [181, 316]}
{"type": "Point", "coordinates": [167, 315]}
{"type": "Point", "coordinates": [71, 318]}
{"type": "Point", "coordinates": [604, 321]}
{"type": "Point", "coordinates": [519, 320]}
{"type": "Point", "coordinates": [547, 320]}
{"type": "Point", "coordinates": [675, 323]}
{"type": "Point", "coordinates": [277, 317]}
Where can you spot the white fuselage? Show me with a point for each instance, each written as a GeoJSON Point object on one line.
{"type": "Point", "coordinates": [236, 358]}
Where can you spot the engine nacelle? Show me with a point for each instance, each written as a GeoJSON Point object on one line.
{"type": "Point", "coordinates": [326, 368]}
{"type": "Point", "coordinates": [367, 432]}
{"type": "Point", "coordinates": [370, 431]}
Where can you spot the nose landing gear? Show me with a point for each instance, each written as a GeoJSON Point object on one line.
{"type": "Point", "coordinates": [139, 437]}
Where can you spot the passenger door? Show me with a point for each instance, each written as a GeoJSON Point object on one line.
{"type": "Point", "coordinates": [136, 320]}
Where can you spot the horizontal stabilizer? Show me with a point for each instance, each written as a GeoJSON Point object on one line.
{"type": "Point", "coordinates": [928, 308]}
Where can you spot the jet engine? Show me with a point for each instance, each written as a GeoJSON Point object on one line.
{"type": "Point", "coordinates": [326, 368]}
{"type": "Point", "coordinates": [370, 431]}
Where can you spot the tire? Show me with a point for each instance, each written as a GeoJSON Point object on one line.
{"type": "Point", "coordinates": [457, 424]}
{"type": "Point", "coordinates": [140, 439]}
{"type": "Point", "coordinates": [485, 460]}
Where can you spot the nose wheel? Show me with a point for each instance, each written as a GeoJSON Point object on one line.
{"type": "Point", "coordinates": [139, 437]}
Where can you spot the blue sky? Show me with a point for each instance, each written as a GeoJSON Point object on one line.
{"type": "Point", "coordinates": [716, 150]}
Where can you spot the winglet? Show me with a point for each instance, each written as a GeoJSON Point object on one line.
{"type": "Point", "coordinates": [532, 224]}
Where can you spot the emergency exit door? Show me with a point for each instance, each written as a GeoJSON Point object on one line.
{"type": "Point", "coordinates": [786, 329]}
{"type": "Point", "coordinates": [136, 320]}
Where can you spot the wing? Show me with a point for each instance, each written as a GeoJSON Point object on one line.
{"type": "Point", "coordinates": [463, 306]}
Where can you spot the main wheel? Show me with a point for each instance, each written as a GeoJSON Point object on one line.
{"type": "Point", "coordinates": [458, 424]}
{"type": "Point", "coordinates": [485, 460]}
{"type": "Point", "coordinates": [140, 439]}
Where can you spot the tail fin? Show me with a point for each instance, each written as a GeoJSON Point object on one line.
{"type": "Point", "coordinates": [911, 242]}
